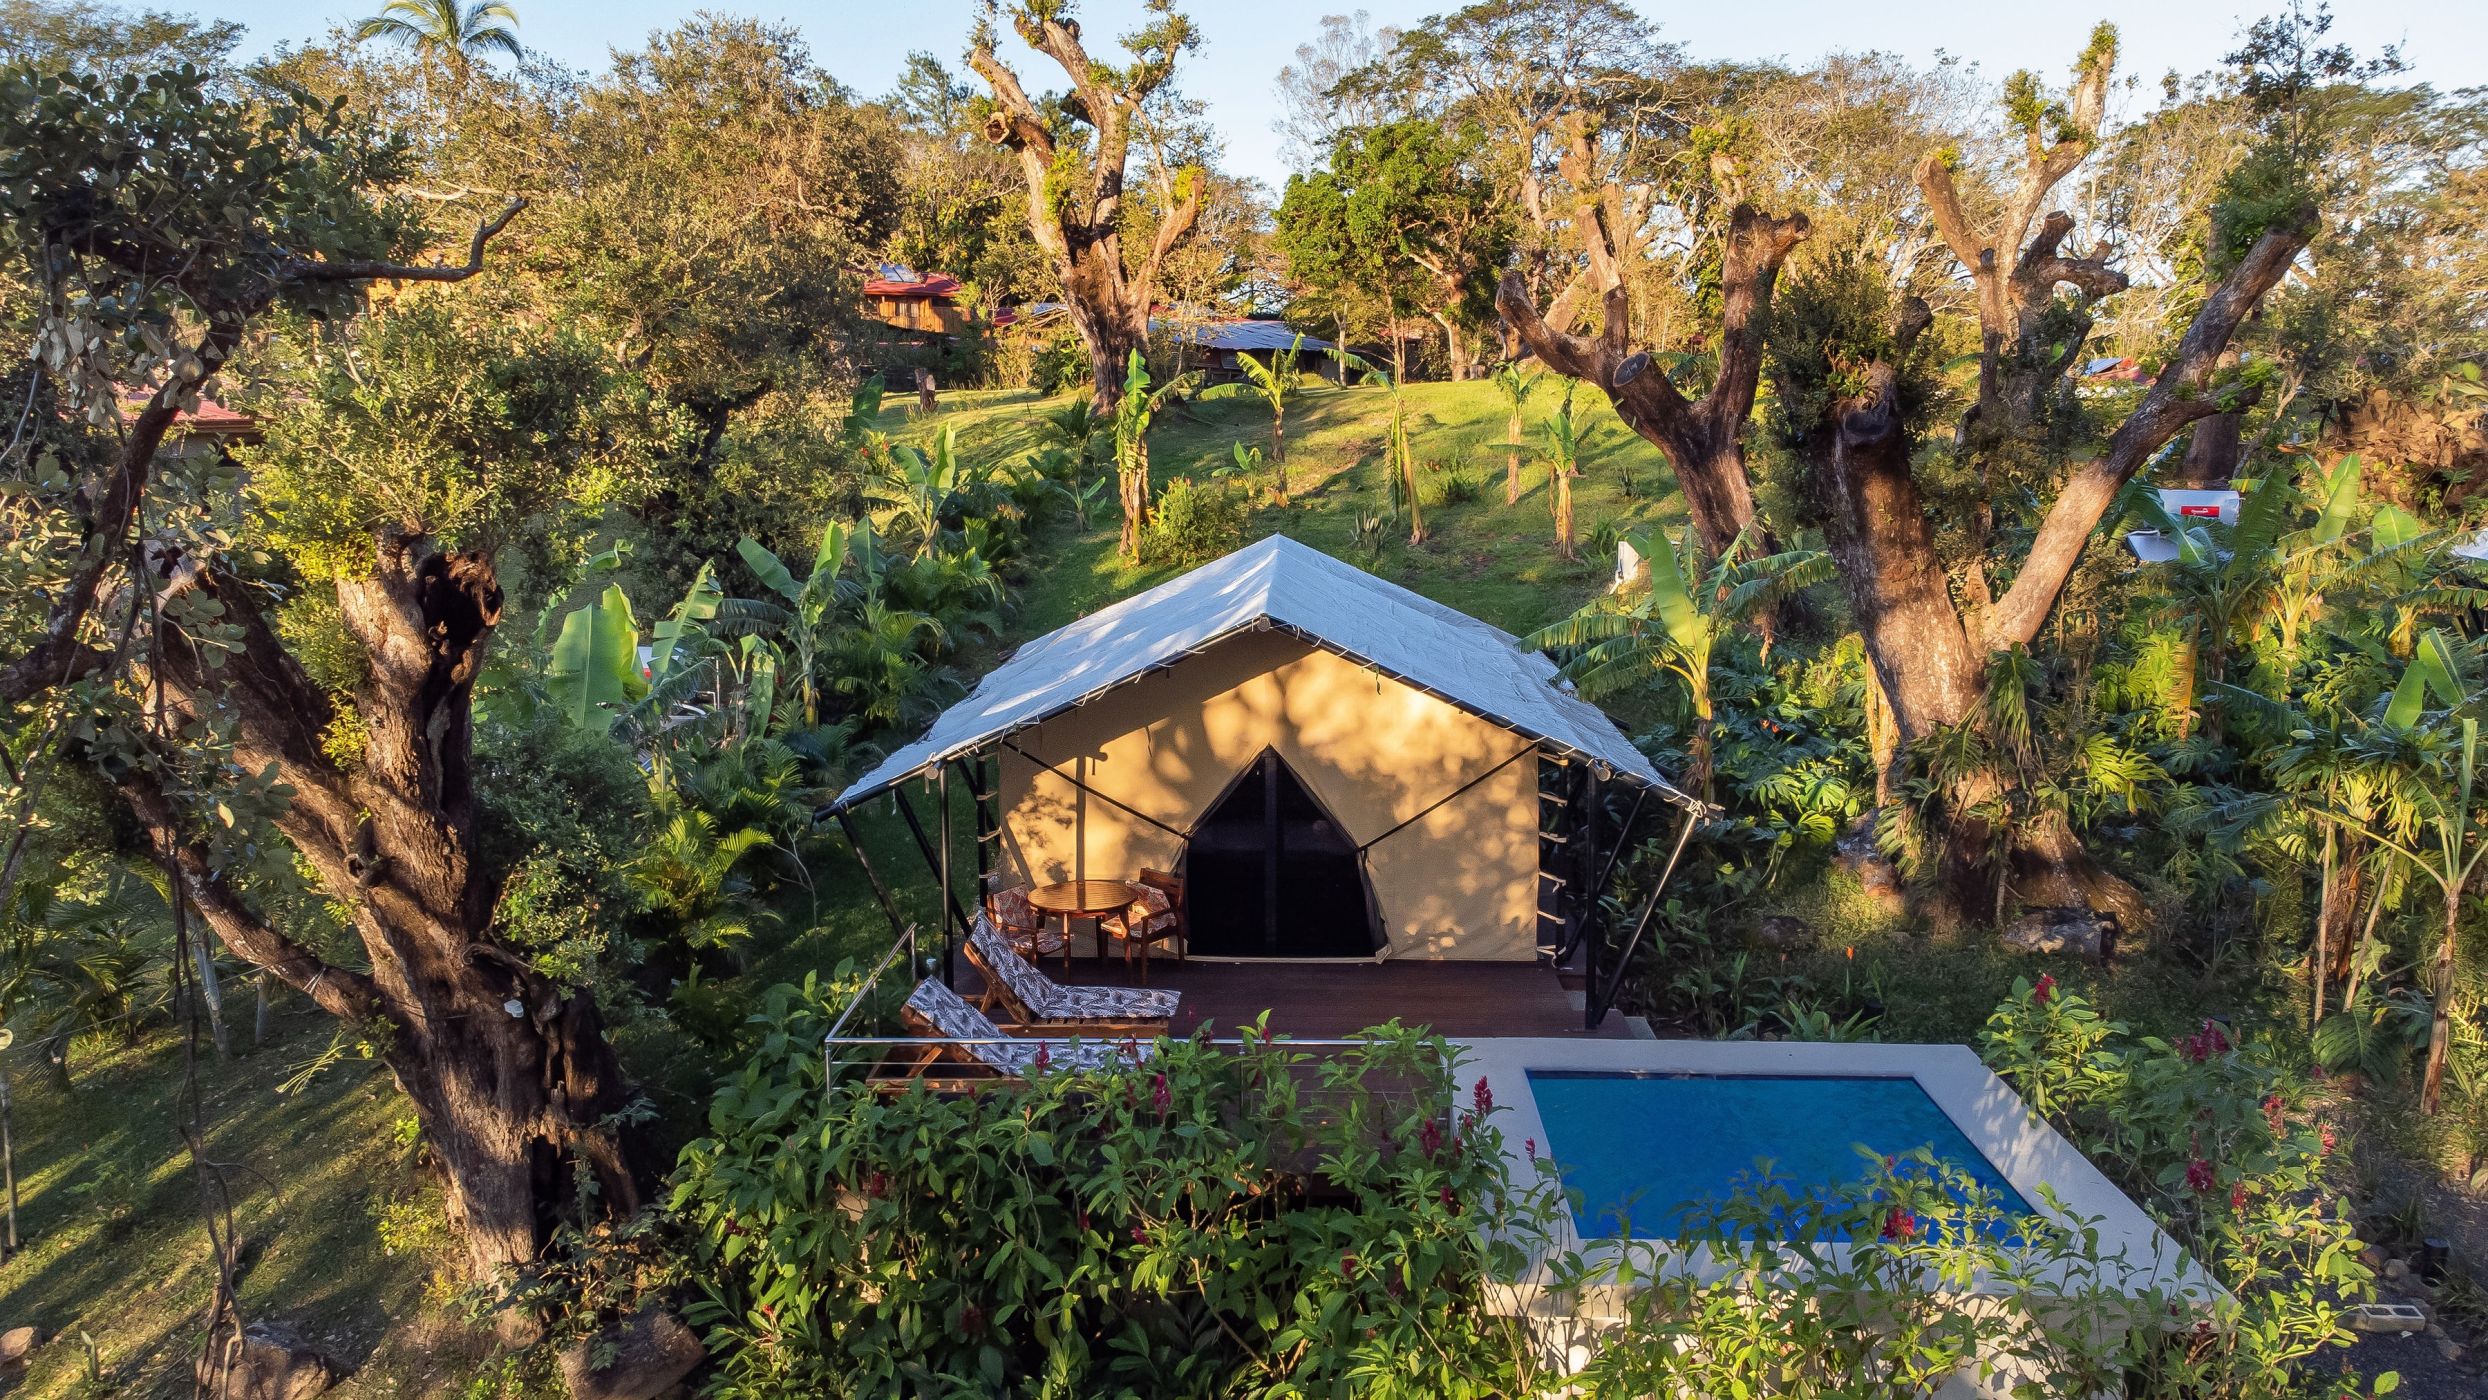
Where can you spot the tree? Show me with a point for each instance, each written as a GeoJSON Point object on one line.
{"type": "Point", "coordinates": [187, 218]}
{"type": "Point", "coordinates": [1075, 170]}
{"type": "Point", "coordinates": [1133, 410]}
{"type": "Point", "coordinates": [1274, 381]}
{"type": "Point", "coordinates": [1565, 440]}
{"type": "Point", "coordinates": [446, 34]}
{"type": "Point", "coordinates": [1516, 383]}
{"type": "Point", "coordinates": [1702, 437]}
{"type": "Point", "coordinates": [1316, 102]}
{"type": "Point", "coordinates": [1419, 213]}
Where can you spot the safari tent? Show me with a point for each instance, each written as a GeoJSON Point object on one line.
{"type": "Point", "coordinates": [1339, 767]}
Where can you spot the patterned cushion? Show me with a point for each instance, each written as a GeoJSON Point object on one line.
{"type": "Point", "coordinates": [1010, 908]}
{"type": "Point", "coordinates": [1042, 998]}
{"type": "Point", "coordinates": [1149, 916]}
{"type": "Point", "coordinates": [948, 1014]}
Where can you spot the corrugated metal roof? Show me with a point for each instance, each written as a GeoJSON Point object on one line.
{"type": "Point", "coordinates": [1242, 335]}
{"type": "Point", "coordinates": [1276, 583]}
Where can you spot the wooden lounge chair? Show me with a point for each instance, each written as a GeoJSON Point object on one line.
{"type": "Point", "coordinates": [1030, 998]}
{"type": "Point", "coordinates": [1156, 917]}
{"type": "Point", "coordinates": [933, 1009]}
{"type": "Point", "coordinates": [1008, 907]}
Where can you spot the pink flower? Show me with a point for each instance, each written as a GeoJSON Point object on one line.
{"type": "Point", "coordinates": [2199, 1176]}
{"type": "Point", "coordinates": [2045, 992]}
{"type": "Point", "coordinates": [1900, 1225]}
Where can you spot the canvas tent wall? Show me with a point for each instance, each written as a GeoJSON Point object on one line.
{"type": "Point", "coordinates": [1396, 711]}
{"type": "Point", "coordinates": [1459, 883]}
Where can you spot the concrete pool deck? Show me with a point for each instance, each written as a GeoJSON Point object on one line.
{"type": "Point", "coordinates": [2134, 1256]}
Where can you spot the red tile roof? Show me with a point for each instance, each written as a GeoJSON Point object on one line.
{"type": "Point", "coordinates": [930, 284]}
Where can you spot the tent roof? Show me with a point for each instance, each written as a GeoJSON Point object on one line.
{"type": "Point", "coordinates": [1276, 583]}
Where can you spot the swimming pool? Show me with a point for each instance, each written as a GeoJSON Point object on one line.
{"type": "Point", "coordinates": [1642, 1150]}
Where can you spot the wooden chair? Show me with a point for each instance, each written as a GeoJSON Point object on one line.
{"type": "Point", "coordinates": [1032, 999]}
{"type": "Point", "coordinates": [1008, 907]}
{"type": "Point", "coordinates": [933, 1009]}
{"type": "Point", "coordinates": [1156, 917]}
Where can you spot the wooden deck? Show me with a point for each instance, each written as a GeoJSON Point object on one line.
{"type": "Point", "coordinates": [1320, 1001]}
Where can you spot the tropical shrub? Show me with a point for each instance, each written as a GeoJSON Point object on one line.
{"type": "Point", "coordinates": [1154, 1228]}
{"type": "Point", "coordinates": [1266, 1222]}
{"type": "Point", "coordinates": [2215, 1141]}
{"type": "Point", "coordinates": [1192, 523]}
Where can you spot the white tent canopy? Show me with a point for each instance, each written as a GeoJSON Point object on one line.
{"type": "Point", "coordinates": [1277, 584]}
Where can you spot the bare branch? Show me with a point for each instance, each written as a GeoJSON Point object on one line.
{"type": "Point", "coordinates": [372, 270]}
{"type": "Point", "coordinates": [2174, 401]}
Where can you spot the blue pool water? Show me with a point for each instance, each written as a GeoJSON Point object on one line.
{"type": "Point", "coordinates": [1644, 1147]}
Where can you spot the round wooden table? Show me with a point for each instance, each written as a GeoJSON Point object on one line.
{"type": "Point", "coordinates": [1083, 899]}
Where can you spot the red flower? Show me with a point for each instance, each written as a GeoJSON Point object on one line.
{"type": "Point", "coordinates": [1347, 1265]}
{"type": "Point", "coordinates": [972, 1319]}
{"type": "Point", "coordinates": [2237, 1197]}
{"type": "Point", "coordinates": [1900, 1225]}
{"type": "Point", "coordinates": [1159, 1097]}
{"type": "Point", "coordinates": [2205, 1043]}
{"type": "Point", "coordinates": [1139, 1234]}
{"type": "Point", "coordinates": [1450, 1202]}
{"type": "Point", "coordinates": [2328, 1137]}
{"type": "Point", "coordinates": [1482, 1098]}
{"type": "Point", "coordinates": [2272, 1112]}
{"type": "Point", "coordinates": [1530, 1146]}
{"type": "Point", "coordinates": [2045, 992]}
{"type": "Point", "coordinates": [877, 1185]}
{"type": "Point", "coordinates": [1044, 1058]}
{"type": "Point", "coordinates": [2199, 1175]}
{"type": "Point", "coordinates": [1429, 1138]}
{"type": "Point", "coordinates": [1081, 1214]}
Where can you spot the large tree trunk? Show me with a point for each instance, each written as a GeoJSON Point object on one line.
{"type": "Point", "coordinates": [1111, 333]}
{"type": "Point", "coordinates": [1932, 674]}
{"type": "Point", "coordinates": [509, 1074]}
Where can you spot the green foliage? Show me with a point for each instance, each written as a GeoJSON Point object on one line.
{"type": "Point", "coordinates": [1193, 522]}
{"type": "Point", "coordinates": [2215, 1141]}
{"type": "Point", "coordinates": [422, 424]}
{"type": "Point", "coordinates": [593, 671]}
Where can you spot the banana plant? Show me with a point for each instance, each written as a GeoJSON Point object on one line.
{"type": "Point", "coordinates": [1672, 628]}
{"type": "Point", "coordinates": [810, 605]}
{"type": "Point", "coordinates": [1566, 439]}
{"type": "Point", "coordinates": [1132, 415]}
{"type": "Point", "coordinates": [594, 672]}
{"type": "Point", "coordinates": [1516, 383]}
{"type": "Point", "coordinates": [919, 489]}
{"type": "Point", "coordinates": [1274, 382]}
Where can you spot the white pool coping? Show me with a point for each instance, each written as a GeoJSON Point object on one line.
{"type": "Point", "coordinates": [2133, 1252]}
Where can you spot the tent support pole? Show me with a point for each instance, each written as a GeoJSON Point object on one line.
{"type": "Point", "coordinates": [1598, 1002]}
{"type": "Point", "coordinates": [1606, 869]}
{"type": "Point", "coordinates": [932, 863]}
{"type": "Point", "coordinates": [951, 929]}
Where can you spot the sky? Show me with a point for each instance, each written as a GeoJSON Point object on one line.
{"type": "Point", "coordinates": [1244, 43]}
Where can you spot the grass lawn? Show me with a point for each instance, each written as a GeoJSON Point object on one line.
{"type": "Point", "coordinates": [115, 1253]}
{"type": "Point", "coordinates": [1489, 559]}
